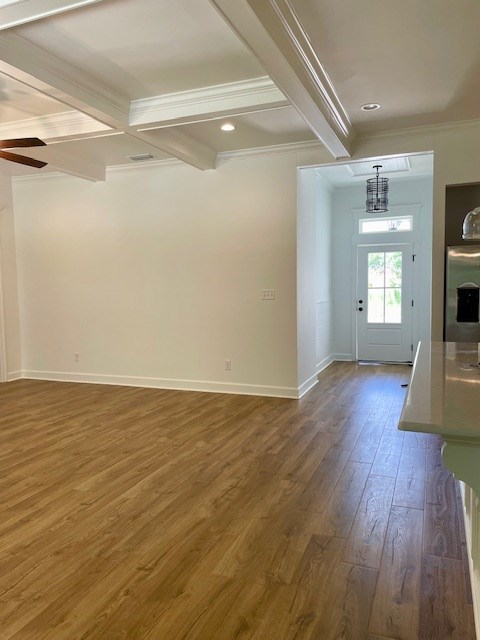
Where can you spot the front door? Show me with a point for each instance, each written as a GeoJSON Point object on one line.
{"type": "Point", "coordinates": [384, 303]}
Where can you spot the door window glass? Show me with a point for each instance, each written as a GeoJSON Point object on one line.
{"type": "Point", "coordinates": [385, 287]}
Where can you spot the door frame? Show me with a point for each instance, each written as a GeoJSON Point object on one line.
{"type": "Point", "coordinates": [413, 238]}
{"type": "Point", "coordinates": [383, 246]}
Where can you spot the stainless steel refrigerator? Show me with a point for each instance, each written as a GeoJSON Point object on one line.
{"type": "Point", "coordinates": [462, 321]}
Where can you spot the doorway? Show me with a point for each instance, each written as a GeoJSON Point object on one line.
{"type": "Point", "coordinates": [384, 303]}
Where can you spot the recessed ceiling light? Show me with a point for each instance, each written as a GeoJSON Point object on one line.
{"type": "Point", "coordinates": [371, 106]}
{"type": "Point", "coordinates": [227, 126]}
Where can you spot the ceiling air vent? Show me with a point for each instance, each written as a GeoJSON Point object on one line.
{"type": "Point", "coordinates": [141, 157]}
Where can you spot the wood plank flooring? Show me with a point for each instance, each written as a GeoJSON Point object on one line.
{"type": "Point", "coordinates": [142, 514]}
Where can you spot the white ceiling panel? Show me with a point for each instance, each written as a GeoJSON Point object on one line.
{"type": "Point", "coordinates": [144, 48]}
{"type": "Point", "coordinates": [265, 128]}
{"type": "Point", "coordinates": [419, 59]}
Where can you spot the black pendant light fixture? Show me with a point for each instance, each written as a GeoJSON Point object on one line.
{"type": "Point", "coordinates": [377, 193]}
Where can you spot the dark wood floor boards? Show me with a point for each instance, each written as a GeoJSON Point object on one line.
{"type": "Point", "coordinates": [140, 514]}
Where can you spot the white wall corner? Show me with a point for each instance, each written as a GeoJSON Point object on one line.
{"type": "Point", "coordinates": [326, 362]}
{"type": "Point", "coordinates": [14, 375]}
{"type": "Point", "coordinates": [306, 386]}
{"type": "Point", "coordinates": [343, 357]}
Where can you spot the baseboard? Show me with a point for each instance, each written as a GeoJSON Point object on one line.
{"type": "Point", "coordinates": [307, 385]}
{"type": "Point", "coordinates": [323, 364]}
{"type": "Point", "coordinates": [343, 357]}
{"type": "Point", "coordinates": [474, 572]}
{"type": "Point", "coordinates": [14, 375]}
{"type": "Point", "coordinates": [165, 383]}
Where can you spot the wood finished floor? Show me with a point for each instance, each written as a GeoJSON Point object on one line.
{"type": "Point", "coordinates": [157, 515]}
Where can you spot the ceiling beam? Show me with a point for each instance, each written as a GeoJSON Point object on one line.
{"type": "Point", "coordinates": [56, 127]}
{"type": "Point", "coordinates": [69, 162]}
{"type": "Point", "coordinates": [206, 103]}
{"type": "Point", "coordinates": [178, 144]}
{"type": "Point", "coordinates": [273, 32]}
{"type": "Point", "coordinates": [35, 67]}
{"type": "Point", "coordinates": [41, 70]}
{"type": "Point", "coordinates": [30, 10]}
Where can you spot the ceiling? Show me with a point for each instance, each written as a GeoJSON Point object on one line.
{"type": "Point", "coordinates": [101, 80]}
{"type": "Point", "coordinates": [395, 169]}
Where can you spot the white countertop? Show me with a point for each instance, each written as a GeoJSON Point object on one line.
{"type": "Point", "coordinates": [444, 392]}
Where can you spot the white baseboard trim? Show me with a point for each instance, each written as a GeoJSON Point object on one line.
{"type": "Point", "coordinates": [341, 357]}
{"type": "Point", "coordinates": [165, 383]}
{"type": "Point", "coordinates": [474, 572]}
{"type": "Point", "coordinates": [323, 364]}
{"type": "Point", "coordinates": [306, 386]}
{"type": "Point", "coordinates": [14, 375]}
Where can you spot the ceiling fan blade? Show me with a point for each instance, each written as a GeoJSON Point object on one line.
{"type": "Point", "coordinates": [14, 143]}
{"type": "Point", "coordinates": [15, 157]}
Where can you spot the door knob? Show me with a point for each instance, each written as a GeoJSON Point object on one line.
{"type": "Point", "coordinates": [360, 308]}
{"type": "Point", "coordinates": [360, 301]}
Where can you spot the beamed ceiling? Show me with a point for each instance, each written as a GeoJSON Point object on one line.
{"type": "Point", "coordinates": [101, 80]}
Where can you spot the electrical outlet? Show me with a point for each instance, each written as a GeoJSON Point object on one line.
{"type": "Point", "coordinates": [268, 294]}
{"type": "Point", "coordinates": [76, 357]}
{"type": "Point", "coordinates": [228, 365]}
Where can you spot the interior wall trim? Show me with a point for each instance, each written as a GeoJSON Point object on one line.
{"type": "Point", "coordinates": [307, 385]}
{"type": "Point", "coordinates": [165, 383]}
{"type": "Point", "coordinates": [323, 364]}
{"type": "Point", "coordinates": [14, 375]}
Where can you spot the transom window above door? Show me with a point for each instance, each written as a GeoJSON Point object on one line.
{"type": "Point", "coordinates": [384, 225]}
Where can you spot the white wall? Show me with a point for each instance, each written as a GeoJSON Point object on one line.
{"type": "Point", "coordinates": [324, 274]}
{"type": "Point", "coordinates": [155, 276]}
{"type": "Point", "coordinates": [314, 277]}
{"type": "Point", "coordinates": [344, 251]}
{"type": "Point", "coordinates": [11, 351]}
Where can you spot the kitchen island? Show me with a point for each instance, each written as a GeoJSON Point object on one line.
{"type": "Point", "coordinates": [444, 398]}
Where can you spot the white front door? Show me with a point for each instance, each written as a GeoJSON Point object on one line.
{"type": "Point", "coordinates": [384, 303]}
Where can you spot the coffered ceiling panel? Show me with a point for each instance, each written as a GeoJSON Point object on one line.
{"type": "Point", "coordinates": [143, 48]}
{"type": "Point", "coordinates": [419, 59]}
{"type": "Point", "coordinates": [265, 128]}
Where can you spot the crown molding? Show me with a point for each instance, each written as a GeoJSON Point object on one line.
{"type": "Point", "coordinates": [26, 11]}
{"type": "Point", "coordinates": [289, 147]}
{"type": "Point", "coordinates": [55, 126]}
{"type": "Point", "coordinates": [206, 103]}
{"type": "Point", "coordinates": [146, 165]}
{"type": "Point", "coordinates": [222, 158]}
{"type": "Point", "coordinates": [419, 131]}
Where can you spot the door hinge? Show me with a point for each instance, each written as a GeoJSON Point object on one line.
{"type": "Point", "coordinates": [413, 303]}
{"type": "Point", "coordinates": [413, 257]}
{"type": "Point", "coordinates": [411, 347]}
